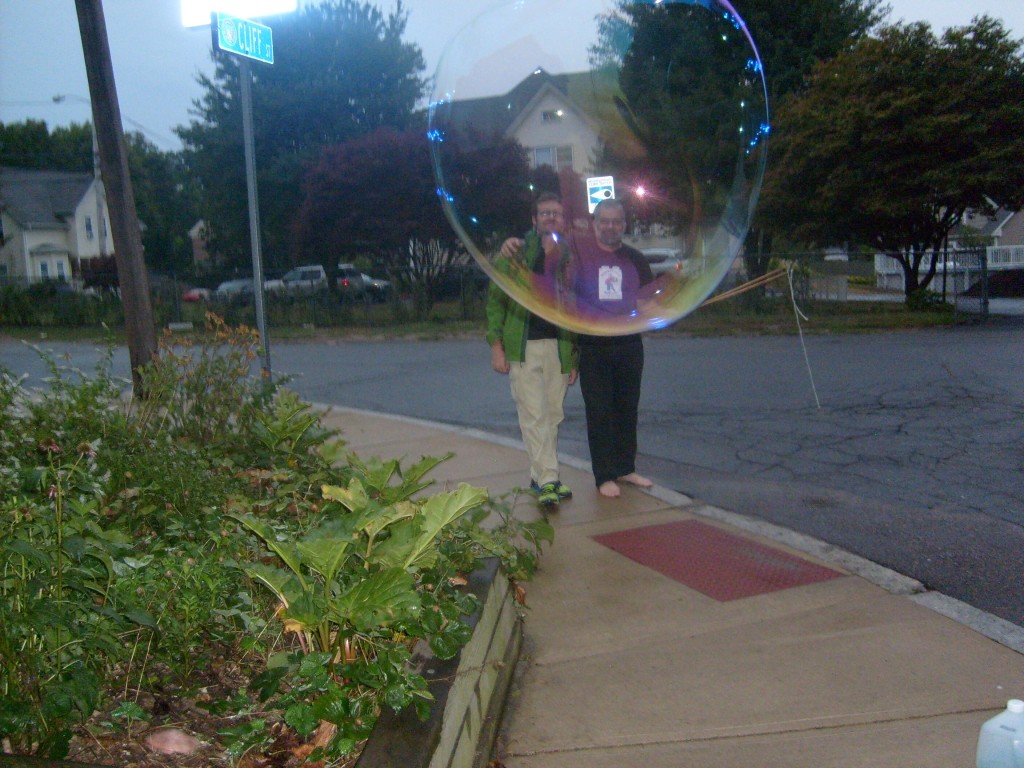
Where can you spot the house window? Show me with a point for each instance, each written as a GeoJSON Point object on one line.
{"type": "Point", "coordinates": [44, 269]}
{"type": "Point", "coordinates": [551, 115]}
{"type": "Point", "coordinates": [60, 271]}
{"type": "Point", "coordinates": [557, 157]}
{"type": "Point", "coordinates": [88, 227]}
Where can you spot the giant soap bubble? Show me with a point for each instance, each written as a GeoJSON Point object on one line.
{"type": "Point", "coordinates": [660, 105]}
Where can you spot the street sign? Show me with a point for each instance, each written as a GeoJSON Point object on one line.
{"type": "Point", "coordinates": [244, 37]}
{"type": "Point", "coordinates": [599, 188]}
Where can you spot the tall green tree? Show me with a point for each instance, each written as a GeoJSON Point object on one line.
{"type": "Point", "coordinates": [897, 137]}
{"type": "Point", "coordinates": [793, 38]}
{"type": "Point", "coordinates": [167, 203]}
{"type": "Point", "coordinates": [682, 70]}
{"type": "Point", "coordinates": [31, 145]}
{"type": "Point", "coordinates": [376, 196]}
{"type": "Point", "coordinates": [165, 197]}
{"type": "Point", "coordinates": [341, 70]}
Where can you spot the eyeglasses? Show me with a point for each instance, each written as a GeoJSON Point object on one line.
{"type": "Point", "coordinates": [615, 222]}
{"type": "Point", "coordinates": [549, 214]}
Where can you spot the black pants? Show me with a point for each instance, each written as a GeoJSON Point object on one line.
{"type": "Point", "coordinates": [610, 374]}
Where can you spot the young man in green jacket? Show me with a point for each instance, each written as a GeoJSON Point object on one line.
{"type": "Point", "coordinates": [538, 357]}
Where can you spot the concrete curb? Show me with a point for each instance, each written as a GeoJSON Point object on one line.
{"type": "Point", "coordinates": [469, 691]}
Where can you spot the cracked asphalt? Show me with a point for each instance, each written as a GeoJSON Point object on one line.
{"type": "Point", "coordinates": [914, 458]}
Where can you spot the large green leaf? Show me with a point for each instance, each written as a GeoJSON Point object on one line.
{"type": "Point", "coordinates": [307, 610]}
{"type": "Point", "coordinates": [377, 601]}
{"type": "Point", "coordinates": [404, 510]}
{"type": "Point", "coordinates": [378, 473]}
{"type": "Point", "coordinates": [353, 498]}
{"type": "Point", "coordinates": [26, 550]}
{"type": "Point", "coordinates": [286, 586]}
{"type": "Point", "coordinates": [437, 513]}
{"type": "Point", "coordinates": [287, 551]}
{"type": "Point", "coordinates": [402, 540]}
{"type": "Point", "coordinates": [416, 472]}
{"type": "Point", "coordinates": [326, 547]}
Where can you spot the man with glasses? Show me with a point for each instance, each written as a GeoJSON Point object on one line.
{"type": "Point", "coordinates": [610, 278]}
{"type": "Point", "coordinates": [539, 357]}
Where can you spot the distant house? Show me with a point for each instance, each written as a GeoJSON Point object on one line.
{"type": "Point", "coordinates": [551, 116]}
{"type": "Point", "coordinates": [50, 222]}
{"type": "Point", "coordinates": [562, 121]}
{"type": "Point", "coordinates": [1000, 234]}
{"type": "Point", "coordinates": [1000, 228]}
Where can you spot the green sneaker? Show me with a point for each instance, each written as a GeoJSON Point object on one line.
{"type": "Point", "coordinates": [563, 490]}
{"type": "Point", "coordinates": [548, 496]}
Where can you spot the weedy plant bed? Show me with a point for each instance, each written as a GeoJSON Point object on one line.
{"type": "Point", "coordinates": [210, 567]}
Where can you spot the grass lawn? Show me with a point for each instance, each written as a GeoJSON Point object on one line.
{"type": "Point", "coordinates": [740, 316]}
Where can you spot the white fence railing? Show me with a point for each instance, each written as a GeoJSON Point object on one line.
{"type": "Point", "coordinates": [999, 257]}
{"type": "Point", "coordinates": [956, 273]}
{"type": "Point", "coordinates": [1005, 256]}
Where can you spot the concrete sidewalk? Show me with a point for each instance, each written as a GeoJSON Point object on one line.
{"type": "Point", "coordinates": [663, 632]}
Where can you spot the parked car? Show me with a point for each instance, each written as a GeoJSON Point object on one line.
{"type": "Point", "coordinates": [663, 260]}
{"type": "Point", "coordinates": [313, 277]}
{"type": "Point", "coordinates": [351, 281]}
{"type": "Point", "coordinates": [235, 288]}
{"type": "Point", "coordinates": [196, 294]}
{"type": "Point", "coordinates": [305, 279]}
{"type": "Point", "coordinates": [376, 288]}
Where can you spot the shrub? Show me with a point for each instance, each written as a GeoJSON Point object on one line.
{"type": "Point", "coordinates": [308, 570]}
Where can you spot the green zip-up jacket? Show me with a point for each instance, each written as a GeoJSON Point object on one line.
{"type": "Point", "coordinates": [508, 320]}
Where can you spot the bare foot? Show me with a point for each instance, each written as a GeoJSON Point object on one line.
{"type": "Point", "coordinates": [638, 480]}
{"type": "Point", "coordinates": [609, 489]}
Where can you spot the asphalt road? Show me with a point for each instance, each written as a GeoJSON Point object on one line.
{"type": "Point", "coordinates": [914, 458]}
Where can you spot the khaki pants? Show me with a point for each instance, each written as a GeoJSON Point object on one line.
{"type": "Point", "coordinates": [538, 388]}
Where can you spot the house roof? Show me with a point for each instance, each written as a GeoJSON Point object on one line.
{"type": "Point", "coordinates": [495, 114]}
{"type": "Point", "coordinates": [593, 94]}
{"type": "Point", "coordinates": [985, 224]}
{"type": "Point", "coordinates": [41, 199]}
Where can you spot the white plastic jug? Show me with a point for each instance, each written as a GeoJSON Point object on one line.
{"type": "Point", "coordinates": [1001, 741]}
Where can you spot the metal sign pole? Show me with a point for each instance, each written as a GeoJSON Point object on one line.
{"type": "Point", "coordinates": [245, 78]}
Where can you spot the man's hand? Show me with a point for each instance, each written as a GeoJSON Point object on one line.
{"type": "Point", "coordinates": [498, 361]}
{"type": "Point", "coordinates": [573, 375]}
{"type": "Point", "coordinates": [512, 248]}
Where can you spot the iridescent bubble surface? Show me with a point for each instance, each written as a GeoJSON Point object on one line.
{"type": "Point", "coordinates": [659, 105]}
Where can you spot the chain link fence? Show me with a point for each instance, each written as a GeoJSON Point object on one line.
{"type": "Point", "coordinates": [966, 274]}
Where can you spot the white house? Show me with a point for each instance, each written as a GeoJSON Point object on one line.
{"type": "Point", "coordinates": [1001, 234]}
{"type": "Point", "coordinates": [545, 114]}
{"type": "Point", "coordinates": [562, 121]}
{"type": "Point", "coordinates": [50, 221]}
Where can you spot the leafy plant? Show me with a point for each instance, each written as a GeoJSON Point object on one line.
{"type": "Point", "coordinates": [108, 505]}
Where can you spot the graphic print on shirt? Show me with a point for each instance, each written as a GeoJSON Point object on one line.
{"type": "Point", "coordinates": [609, 283]}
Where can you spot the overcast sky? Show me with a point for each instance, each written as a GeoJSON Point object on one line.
{"type": "Point", "coordinates": [156, 60]}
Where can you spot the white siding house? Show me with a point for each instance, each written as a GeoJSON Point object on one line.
{"type": "Point", "coordinates": [541, 114]}
{"type": "Point", "coordinates": [1001, 234]}
{"type": "Point", "coordinates": [50, 221]}
{"type": "Point", "coordinates": [555, 132]}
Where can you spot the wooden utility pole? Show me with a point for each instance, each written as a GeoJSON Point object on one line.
{"type": "Point", "coordinates": [117, 182]}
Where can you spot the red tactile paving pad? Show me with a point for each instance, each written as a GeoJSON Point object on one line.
{"type": "Point", "coordinates": [716, 563]}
